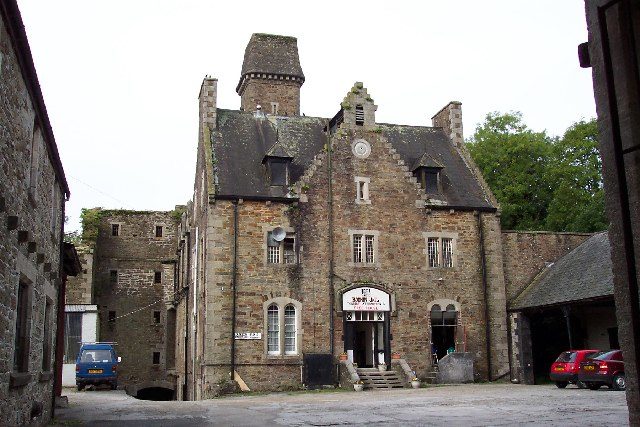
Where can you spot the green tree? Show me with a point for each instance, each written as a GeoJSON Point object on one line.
{"type": "Point", "coordinates": [578, 197]}
{"type": "Point", "coordinates": [514, 161]}
{"type": "Point", "coordinates": [541, 183]}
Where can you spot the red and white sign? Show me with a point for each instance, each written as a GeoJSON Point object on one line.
{"type": "Point", "coordinates": [366, 299]}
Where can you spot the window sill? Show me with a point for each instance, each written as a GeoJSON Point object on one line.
{"type": "Point", "coordinates": [19, 379]}
{"type": "Point", "coordinates": [274, 265]}
{"type": "Point", "coordinates": [364, 264]}
{"type": "Point", "coordinates": [363, 202]}
{"type": "Point", "coordinates": [45, 376]}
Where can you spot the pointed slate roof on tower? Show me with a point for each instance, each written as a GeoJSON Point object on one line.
{"type": "Point", "coordinates": [272, 54]}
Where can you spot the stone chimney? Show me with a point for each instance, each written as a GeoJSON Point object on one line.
{"type": "Point", "coordinates": [449, 118]}
{"type": "Point", "coordinates": [271, 75]}
{"type": "Point", "coordinates": [207, 104]}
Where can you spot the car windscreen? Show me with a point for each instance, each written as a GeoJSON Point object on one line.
{"type": "Point", "coordinates": [95, 356]}
{"type": "Point", "coordinates": [567, 357]}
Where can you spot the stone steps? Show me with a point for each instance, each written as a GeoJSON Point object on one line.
{"type": "Point", "coordinates": [375, 379]}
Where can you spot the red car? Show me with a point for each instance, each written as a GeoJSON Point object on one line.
{"type": "Point", "coordinates": [603, 368]}
{"type": "Point", "coordinates": [567, 366]}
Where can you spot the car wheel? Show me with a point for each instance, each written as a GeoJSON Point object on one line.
{"type": "Point", "coordinates": [114, 386]}
{"type": "Point", "coordinates": [594, 386]}
{"type": "Point", "coordinates": [80, 387]}
{"type": "Point", "coordinates": [580, 384]}
{"type": "Point", "coordinates": [561, 384]}
{"type": "Point", "coordinates": [619, 382]}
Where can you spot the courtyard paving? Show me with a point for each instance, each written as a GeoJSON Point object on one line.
{"type": "Point", "coordinates": [468, 405]}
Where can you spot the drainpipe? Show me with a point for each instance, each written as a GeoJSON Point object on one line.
{"type": "Point", "coordinates": [234, 275]}
{"type": "Point", "coordinates": [331, 263]}
{"type": "Point", "coordinates": [485, 290]}
{"type": "Point", "coordinates": [59, 350]}
{"type": "Point", "coordinates": [187, 323]}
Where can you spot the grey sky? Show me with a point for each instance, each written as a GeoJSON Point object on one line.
{"type": "Point", "coordinates": [121, 78]}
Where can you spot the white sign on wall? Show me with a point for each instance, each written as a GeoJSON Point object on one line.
{"type": "Point", "coordinates": [248, 335]}
{"type": "Point", "coordinates": [366, 299]}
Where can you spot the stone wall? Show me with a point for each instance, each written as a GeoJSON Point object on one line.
{"type": "Point", "coordinates": [79, 289]}
{"type": "Point", "coordinates": [526, 253]}
{"type": "Point", "coordinates": [127, 292]}
{"type": "Point", "coordinates": [31, 212]}
{"type": "Point", "coordinates": [265, 91]}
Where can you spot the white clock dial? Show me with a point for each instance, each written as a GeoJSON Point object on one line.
{"type": "Point", "coordinates": [361, 148]}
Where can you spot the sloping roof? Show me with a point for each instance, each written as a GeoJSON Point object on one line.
{"type": "Point", "coordinates": [13, 22]}
{"type": "Point", "coordinates": [278, 150]}
{"type": "Point", "coordinates": [241, 140]}
{"type": "Point", "coordinates": [272, 54]}
{"type": "Point", "coordinates": [583, 274]}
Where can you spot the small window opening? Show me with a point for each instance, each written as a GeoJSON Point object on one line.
{"type": "Point", "coordinates": [156, 357]}
{"type": "Point", "coordinates": [158, 231]}
{"type": "Point", "coordinates": [274, 108]}
{"type": "Point", "coordinates": [115, 229]}
{"type": "Point", "coordinates": [283, 252]}
{"type": "Point", "coordinates": [113, 276]}
{"type": "Point", "coordinates": [156, 317]}
{"type": "Point", "coordinates": [359, 115]}
{"type": "Point", "coordinates": [278, 173]}
{"type": "Point", "coordinates": [157, 277]}
{"type": "Point", "coordinates": [21, 343]}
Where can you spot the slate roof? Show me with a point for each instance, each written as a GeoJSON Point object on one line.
{"type": "Point", "coordinates": [272, 54]}
{"type": "Point", "coordinates": [584, 273]}
{"type": "Point", "coordinates": [426, 161]}
{"type": "Point", "coordinates": [242, 140]}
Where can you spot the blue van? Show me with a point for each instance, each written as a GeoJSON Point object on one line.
{"type": "Point", "coordinates": [97, 363]}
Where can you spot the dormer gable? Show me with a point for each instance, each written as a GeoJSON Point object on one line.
{"type": "Point", "coordinates": [277, 161]}
{"type": "Point", "coordinates": [427, 171]}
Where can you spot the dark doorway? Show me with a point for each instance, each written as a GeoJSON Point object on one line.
{"type": "Point", "coordinates": [155, 393]}
{"type": "Point", "coordinates": [614, 344]}
{"type": "Point", "coordinates": [363, 343]}
{"type": "Point", "coordinates": [443, 330]}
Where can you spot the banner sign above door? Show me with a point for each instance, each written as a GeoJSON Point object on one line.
{"type": "Point", "coordinates": [366, 299]}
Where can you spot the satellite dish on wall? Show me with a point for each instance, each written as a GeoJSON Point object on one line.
{"type": "Point", "coordinates": [278, 234]}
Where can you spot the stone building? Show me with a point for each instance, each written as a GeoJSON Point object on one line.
{"type": "Point", "coordinates": [311, 236]}
{"type": "Point", "coordinates": [133, 284]}
{"type": "Point", "coordinates": [33, 190]}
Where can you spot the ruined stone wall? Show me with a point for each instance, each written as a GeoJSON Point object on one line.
{"type": "Point", "coordinates": [31, 212]}
{"type": "Point", "coordinates": [265, 91]}
{"type": "Point", "coordinates": [132, 294]}
{"type": "Point", "coordinates": [526, 253]}
{"type": "Point", "coordinates": [79, 289]}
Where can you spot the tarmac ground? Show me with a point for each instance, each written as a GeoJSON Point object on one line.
{"type": "Point", "coordinates": [451, 405]}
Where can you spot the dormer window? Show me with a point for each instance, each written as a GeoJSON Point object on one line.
{"type": "Point", "coordinates": [278, 171]}
{"type": "Point", "coordinates": [428, 173]}
{"type": "Point", "coordinates": [429, 179]}
{"type": "Point", "coordinates": [278, 162]}
{"type": "Point", "coordinates": [359, 115]}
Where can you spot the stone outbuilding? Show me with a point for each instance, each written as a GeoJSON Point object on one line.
{"type": "Point", "coordinates": [568, 305]}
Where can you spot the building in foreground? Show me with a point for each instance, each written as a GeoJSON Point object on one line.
{"type": "Point", "coordinates": [33, 190]}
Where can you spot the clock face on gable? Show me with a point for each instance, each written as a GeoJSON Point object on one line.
{"type": "Point", "coordinates": [361, 148]}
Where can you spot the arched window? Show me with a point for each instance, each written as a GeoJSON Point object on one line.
{"type": "Point", "coordinates": [290, 332]}
{"type": "Point", "coordinates": [273, 329]}
{"type": "Point", "coordinates": [282, 321]}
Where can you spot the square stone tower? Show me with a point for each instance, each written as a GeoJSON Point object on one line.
{"type": "Point", "coordinates": [271, 75]}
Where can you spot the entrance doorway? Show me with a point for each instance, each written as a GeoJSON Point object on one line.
{"type": "Point", "coordinates": [366, 338]}
{"type": "Point", "coordinates": [443, 330]}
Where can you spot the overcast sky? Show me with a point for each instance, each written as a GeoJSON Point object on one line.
{"type": "Point", "coordinates": [120, 78]}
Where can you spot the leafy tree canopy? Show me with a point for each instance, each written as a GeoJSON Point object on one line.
{"type": "Point", "coordinates": [541, 182]}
